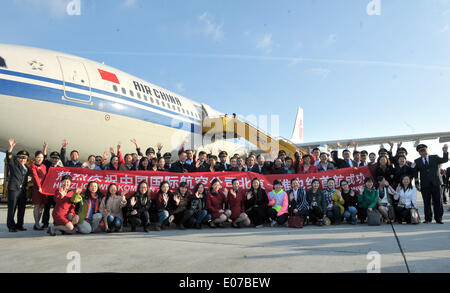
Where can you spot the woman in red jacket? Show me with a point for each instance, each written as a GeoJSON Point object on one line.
{"type": "Point", "coordinates": [64, 211]}
{"type": "Point", "coordinates": [38, 172]}
{"type": "Point", "coordinates": [236, 201]}
{"type": "Point", "coordinates": [215, 201]}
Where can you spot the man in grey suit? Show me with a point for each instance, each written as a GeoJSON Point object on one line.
{"type": "Point", "coordinates": [430, 182]}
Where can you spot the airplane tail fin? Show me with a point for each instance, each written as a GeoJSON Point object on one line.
{"type": "Point", "coordinates": [297, 134]}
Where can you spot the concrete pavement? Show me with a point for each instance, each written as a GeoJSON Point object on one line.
{"type": "Point", "coordinates": [312, 249]}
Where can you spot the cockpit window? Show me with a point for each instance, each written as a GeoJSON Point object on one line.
{"type": "Point", "coordinates": [3, 63]}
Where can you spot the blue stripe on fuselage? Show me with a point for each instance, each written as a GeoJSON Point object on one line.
{"type": "Point", "coordinates": [42, 93]}
{"type": "Point", "coordinates": [94, 90]}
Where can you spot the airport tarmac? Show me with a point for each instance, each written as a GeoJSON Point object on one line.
{"type": "Point", "coordinates": [313, 249]}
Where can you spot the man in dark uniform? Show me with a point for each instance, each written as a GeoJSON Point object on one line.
{"type": "Point", "coordinates": [430, 182]}
{"type": "Point", "coordinates": [167, 158]}
{"type": "Point", "coordinates": [54, 160]}
{"type": "Point", "coordinates": [222, 165]}
{"type": "Point", "coordinates": [17, 183]}
{"type": "Point", "coordinates": [201, 165]}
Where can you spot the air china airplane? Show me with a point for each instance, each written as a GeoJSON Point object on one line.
{"type": "Point", "coordinates": [47, 95]}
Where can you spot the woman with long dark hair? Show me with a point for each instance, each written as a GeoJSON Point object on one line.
{"type": "Point", "coordinates": [38, 173]}
{"type": "Point", "coordinates": [138, 207]}
{"type": "Point", "coordinates": [64, 215]}
{"type": "Point", "coordinates": [256, 204]}
{"type": "Point", "coordinates": [113, 164]}
{"type": "Point", "coordinates": [111, 209]}
{"type": "Point", "coordinates": [88, 208]}
{"type": "Point", "coordinates": [407, 198]}
{"type": "Point", "coordinates": [215, 202]}
{"type": "Point", "coordinates": [164, 206]}
{"type": "Point", "coordinates": [198, 206]}
{"type": "Point", "coordinates": [144, 164]}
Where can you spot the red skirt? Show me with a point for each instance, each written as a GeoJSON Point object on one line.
{"type": "Point", "coordinates": [37, 197]}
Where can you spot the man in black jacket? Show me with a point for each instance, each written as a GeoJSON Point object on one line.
{"type": "Point", "coordinates": [346, 162]}
{"type": "Point", "coordinates": [74, 155]}
{"type": "Point", "coordinates": [430, 182]}
{"type": "Point", "coordinates": [200, 165]}
{"type": "Point", "coordinates": [17, 184]}
{"type": "Point", "coordinates": [181, 166]}
{"type": "Point", "coordinates": [262, 167]}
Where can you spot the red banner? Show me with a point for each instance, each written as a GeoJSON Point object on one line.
{"type": "Point", "coordinates": [128, 180]}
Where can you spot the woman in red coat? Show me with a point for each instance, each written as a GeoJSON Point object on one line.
{"type": "Point", "coordinates": [236, 201]}
{"type": "Point", "coordinates": [38, 172]}
{"type": "Point", "coordinates": [64, 211]}
{"type": "Point", "coordinates": [215, 201]}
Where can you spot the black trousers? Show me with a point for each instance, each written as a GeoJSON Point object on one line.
{"type": "Point", "coordinates": [139, 219]}
{"type": "Point", "coordinates": [403, 214]}
{"type": "Point", "coordinates": [16, 201]}
{"type": "Point", "coordinates": [274, 217]}
{"type": "Point", "coordinates": [258, 215]}
{"type": "Point", "coordinates": [46, 215]}
{"type": "Point", "coordinates": [315, 214]}
{"type": "Point", "coordinates": [183, 217]}
{"type": "Point", "coordinates": [432, 196]}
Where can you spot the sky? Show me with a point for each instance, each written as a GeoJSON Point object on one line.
{"type": "Point", "coordinates": [354, 74]}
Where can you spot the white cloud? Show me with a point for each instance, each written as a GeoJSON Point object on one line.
{"type": "Point", "coordinates": [209, 28]}
{"type": "Point", "coordinates": [266, 43]}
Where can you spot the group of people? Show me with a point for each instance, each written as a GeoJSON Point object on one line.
{"type": "Point", "coordinates": [391, 192]}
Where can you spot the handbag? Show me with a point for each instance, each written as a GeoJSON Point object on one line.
{"type": "Point", "coordinates": [295, 222]}
{"type": "Point", "coordinates": [373, 218]}
{"type": "Point", "coordinates": [415, 216]}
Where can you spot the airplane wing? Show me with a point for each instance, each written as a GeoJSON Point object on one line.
{"type": "Point", "coordinates": [333, 144]}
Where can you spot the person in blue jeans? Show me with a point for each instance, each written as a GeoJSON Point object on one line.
{"type": "Point", "coordinates": [350, 203]}
{"type": "Point", "coordinates": [198, 204]}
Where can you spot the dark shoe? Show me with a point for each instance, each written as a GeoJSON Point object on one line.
{"type": "Point", "coordinates": [234, 225]}
{"type": "Point", "coordinates": [220, 225]}
{"type": "Point", "coordinates": [146, 230]}
{"type": "Point", "coordinates": [180, 227]}
{"type": "Point", "coordinates": [440, 222]}
{"type": "Point", "coordinates": [45, 226]}
{"type": "Point", "coordinates": [51, 231]}
{"type": "Point", "coordinates": [133, 229]}
{"type": "Point", "coordinates": [198, 226]}
{"type": "Point", "coordinates": [157, 228]}
{"type": "Point", "coordinates": [426, 222]}
{"type": "Point", "coordinates": [109, 230]}
{"type": "Point", "coordinates": [21, 229]}
{"type": "Point", "coordinates": [212, 225]}
{"type": "Point", "coordinates": [12, 230]}
{"type": "Point", "coordinates": [37, 228]}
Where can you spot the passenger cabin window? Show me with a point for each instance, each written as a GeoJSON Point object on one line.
{"type": "Point", "coordinates": [163, 104]}
{"type": "Point", "coordinates": [145, 97]}
{"type": "Point", "coordinates": [124, 91]}
{"type": "Point", "coordinates": [151, 100]}
{"type": "Point", "coordinates": [138, 95]}
{"type": "Point", "coordinates": [115, 88]}
{"type": "Point", "coordinates": [157, 102]}
{"type": "Point", "coordinates": [131, 93]}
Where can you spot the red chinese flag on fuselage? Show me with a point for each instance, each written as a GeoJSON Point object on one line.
{"type": "Point", "coordinates": [108, 76]}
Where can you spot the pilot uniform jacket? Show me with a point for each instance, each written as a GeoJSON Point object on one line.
{"type": "Point", "coordinates": [342, 164]}
{"type": "Point", "coordinates": [18, 175]}
{"type": "Point", "coordinates": [430, 176]}
{"type": "Point", "coordinates": [222, 167]}
{"type": "Point", "coordinates": [17, 183]}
